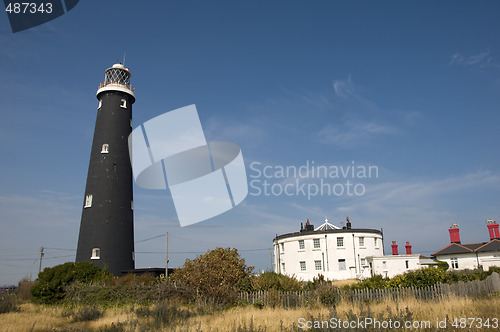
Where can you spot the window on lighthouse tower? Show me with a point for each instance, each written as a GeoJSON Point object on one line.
{"type": "Point", "coordinates": [96, 253]}
{"type": "Point", "coordinates": [124, 103]}
{"type": "Point", "coordinates": [105, 148]}
{"type": "Point", "coordinates": [88, 201]}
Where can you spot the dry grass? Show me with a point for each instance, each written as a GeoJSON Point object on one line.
{"type": "Point", "coordinates": [340, 283]}
{"type": "Point", "coordinates": [58, 318]}
{"type": "Point", "coordinates": [274, 319]}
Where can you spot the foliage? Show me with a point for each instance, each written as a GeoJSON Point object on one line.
{"type": "Point", "coordinates": [163, 314]}
{"type": "Point", "coordinates": [423, 277]}
{"type": "Point", "coordinates": [377, 281]}
{"type": "Point", "coordinates": [327, 294]}
{"type": "Point", "coordinates": [494, 269]}
{"type": "Point", "coordinates": [50, 284]}
{"type": "Point", "coordinates": [8, 302]}
{"type": "Point", "coordinates": [218, 274]}
{"type": "Point", "coordinates": [24, 289]}
{"type": "Point", "coordinates": [418, 278]}
{"type": "Point", "coordinates": [125, 291]}
{"type": "Point", "coordinates": [315, 283]}
{"type": "Point", "coordinates": [272, 280]}
{"type": "Point", "coordinates": [442, 265]}
{"type": "Point", "coordinates": [87, 314]}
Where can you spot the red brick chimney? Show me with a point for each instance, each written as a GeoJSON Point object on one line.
{"type": "Point", "coordinates": [394, 248]}
{"type": "Point", "coordinates": [493, 229]}
{"type": "Point", "coordinates": [408, 248]}
{"type": "Point", "coordinates": [454, 234]}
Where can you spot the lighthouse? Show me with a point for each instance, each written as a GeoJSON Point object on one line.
{"type": "Point", "coordinates": [107, 226]}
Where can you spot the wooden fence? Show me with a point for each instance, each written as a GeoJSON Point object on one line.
{"type": "Point", "coordinates": [439, 291]}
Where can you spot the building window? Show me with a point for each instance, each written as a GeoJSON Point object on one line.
{"type": "Point", "coordinates": [100, 104]}
{"type": "Point", "coordinates": [317, 265]}
{"type": "Point", "coordinates": [384, 265]}
{"type": "Point", "coordinates": [342, 264]}
{"type": "Point", "coordinates": [282, 247]}
{"type": "Point", "coordinates": [283, 268]}
{"type": "Point", "coordinates": [340, 242]}
{"type": "Point", "coordinates": [96, 253]}
{"type": "Point", "coordinates": [316, 244]}
{"type": "Point", "coordinates": [363, 261]}
{"type": "Point", "coordinates": [407, 264]}
{"type": "Point", "coordinates": [124, 103]}
{"type": "Point", "coordinates": [302, 266]}
{"type": "Point", "coordinates": [88, 201]}
{"type": "Point", "coordinates": [105, 148]}
{"type": "Point", "coordinates": [454, 263]}
{"type": "Point", "coordinates": [361, 241]}
{"type": "Point", "coordinates": [301, 245]}
{"type": "Point", "coordinates": [375, 242]}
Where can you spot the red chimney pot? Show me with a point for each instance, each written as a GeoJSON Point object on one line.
{"type": "Point", "coordinates": [491, 230]}
{"type": "Point", "coordinates": [408, 248]}
{"type": "Point", "coordinates": [394, 248]}
{"type": "Point", "coordinates": [454, 234]}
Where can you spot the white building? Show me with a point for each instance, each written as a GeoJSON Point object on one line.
{"type": "Point", "coordinates": [336, 253]}
{"type": "Point", "coordinates": [390, 266]}
{"type": "Point", "coordinates": [461, 256]}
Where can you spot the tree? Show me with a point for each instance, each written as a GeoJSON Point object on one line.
{"type": "Point", "coordinates": [49, 287]}
{"type": "Point", "coordinates": [219, 274]}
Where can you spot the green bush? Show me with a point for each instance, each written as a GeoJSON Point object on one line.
{"type": "Point", "coordinates": [49, 287]}
{"type": "Point", "coordinates": [442, 265]}
{"type": "Point", "coordinates": [419, 278]}
{"type": "Point", "coordinates": [218, 274]}
{"type": "Point", "coordinates": [272, 280]}
{"type": "Point", "coordinates": [375, 282]}
{"type": "Point", "coordinates": [327, 294]}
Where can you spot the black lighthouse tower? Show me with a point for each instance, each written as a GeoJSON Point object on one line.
{"type": "Point", "coordinates": [107, 229]}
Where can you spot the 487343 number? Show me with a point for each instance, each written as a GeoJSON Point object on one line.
{"type": "Point", "coordinates": [28, 8]}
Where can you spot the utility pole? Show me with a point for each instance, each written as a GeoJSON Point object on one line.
{"type": "Point", "coordinates": [166, 256]}
{"type": "Point", "coordinates": [41, 256]}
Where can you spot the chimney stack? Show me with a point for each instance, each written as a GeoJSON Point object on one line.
{"type": "Point", "coordinates": [454, 234]}
{"type": "Point", "coordinates": [408, 248]}
{"type": "Point", "coordinates": [348, 225]}
{"type": "Point", "coordinates": [493, 229]}
{"type": "Point", "coordinates": [394, 248]}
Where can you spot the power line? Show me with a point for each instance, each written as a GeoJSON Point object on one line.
{"type": "Point", "coordinates": [59, 249]}
{"type": "Point", "coordinates": [151, 238]}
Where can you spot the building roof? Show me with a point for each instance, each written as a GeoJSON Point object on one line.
{"type": "Point", "coordinates": [493, 245]}
{"type": "Point", "coordinates": [326, 226]}
{"type": "Point", "coordinates": [457, 248]}
{"type": "Point", "coordinates": [331, 231]}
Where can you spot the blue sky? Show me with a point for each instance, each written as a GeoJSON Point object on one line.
{"type": "Point", "coordinates": [412, 88]}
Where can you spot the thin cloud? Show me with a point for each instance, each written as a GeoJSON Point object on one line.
{"type": "Point", "coordinates": [353, 133]}
{"type": "Point", "coordinates": [347, 91]}
{"type": "Point", "coordinates": [481, 59]}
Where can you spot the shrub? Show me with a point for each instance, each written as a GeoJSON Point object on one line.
{"type": "Point", "coordinates": [377, 281]}
{"type": "Point", "coordinates": [164, 314]}
{"type": "Point", "coordinates": [24, 289]}
{"type": "Point", "coordinates": [327, 294]}
{"type": "Point", "coordinates": [418, 278]}
{"type": "Point", "coordinates": [442, 265]}
{"type": "Point", "coordinates": [271, 280]}
{"type": "Point", "coordinates": [87, 314]}
{"type": "Point", "coordinates": [50, 284]}
{"type": "Point", "coordinates": [8, 303]}
{"type": "Point", "coordinates": [218, 274]}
